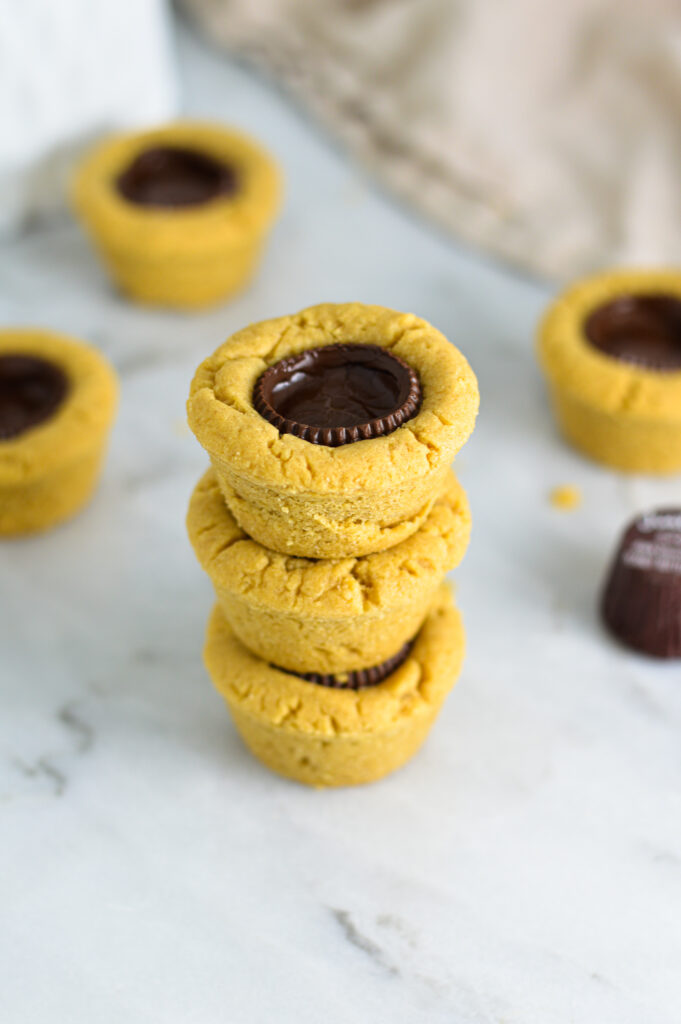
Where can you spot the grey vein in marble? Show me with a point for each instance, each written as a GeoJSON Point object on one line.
{"type": "Point", "coordinates": [361, 941]}
{"type": "Point", "coordinates": [43, 768]}
{"type": "Point", "coordinates": [50, 766]}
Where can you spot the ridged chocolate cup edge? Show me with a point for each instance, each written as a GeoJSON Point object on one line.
{"type": "Point", "coordinates": [335, 437]}
{"type": "Point", "coordinates": [360, 678]}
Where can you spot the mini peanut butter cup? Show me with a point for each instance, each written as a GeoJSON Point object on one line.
{"type": "Point", "coordinates": [31, 391]}
{"type": "Point", "coordinates": [640, 329]}
{"type": "Point", "coordinates": [175, 176]}
{"type": "Point", "coordinates": [641, 602]}
{"type": "Point", "coordinates": [339, 394]}
{"type": "Point", "coordinates": [361, 678]}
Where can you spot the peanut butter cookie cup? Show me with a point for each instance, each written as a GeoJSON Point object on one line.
{"type": "Point", "coordinates": [338, 735]}
{"type": "Point", "coordinates": [610, 347]}
{"type": "Point", "coordinates": [57, 403]}
{"type": "Point", "coordinates": [179, 214]}
{"type": "Point", "coordinates": [326, 616]}
{"type": "Point", "coordinates": [331, 431]}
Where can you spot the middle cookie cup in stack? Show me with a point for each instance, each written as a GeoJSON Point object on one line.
{"type": "Point", "coordinates": [331, 431]}
{"type": "Point", "coordinates": [326, 617]}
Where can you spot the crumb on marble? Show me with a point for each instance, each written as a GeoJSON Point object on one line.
{"type": "Point", "coordinates": [565, 497]}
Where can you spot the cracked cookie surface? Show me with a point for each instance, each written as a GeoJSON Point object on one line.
{"type": "Point", "coordinates": [323, 502]}
{"type": "Point", "coordinates": [326, 616]}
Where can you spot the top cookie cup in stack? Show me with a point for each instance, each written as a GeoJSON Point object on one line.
{"type": "Point", "coordinates": [332, 500]}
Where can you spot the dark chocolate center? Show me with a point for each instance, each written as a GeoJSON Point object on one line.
{"type": "Point", "coordinates": [175, 176]}
{"type": "Point", "coordinates": [337, 394]}
{"type": "Point", "coordinates": [360, 678]}
{"type": "Point", "coordinates": [31, 390]}
{"type": "Point", "coordinates": [641, 329]}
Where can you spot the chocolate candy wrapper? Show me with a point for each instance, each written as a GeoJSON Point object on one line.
{"type": "Point", "coordinates": [641, 603]}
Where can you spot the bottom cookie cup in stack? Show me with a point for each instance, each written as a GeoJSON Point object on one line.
{"type": "Point", "coordinates": [326, 616]}
{"type": "Point", "coordinates": [334, 736]}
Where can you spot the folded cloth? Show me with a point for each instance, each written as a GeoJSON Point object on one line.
{"type": "Point", "coordinates": [546, 133]}
{"type": "Point", "coordinates": [70, 70]}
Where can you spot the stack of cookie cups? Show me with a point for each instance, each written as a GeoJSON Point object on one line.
{"type": "Point", "coordinates": [327, 523]}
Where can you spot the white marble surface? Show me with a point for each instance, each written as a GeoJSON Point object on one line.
{"type": "Point", "coordinates": [526, 867]}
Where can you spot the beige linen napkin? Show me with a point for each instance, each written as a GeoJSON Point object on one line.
{"type": "Point", "coordinates": [544, 131]}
